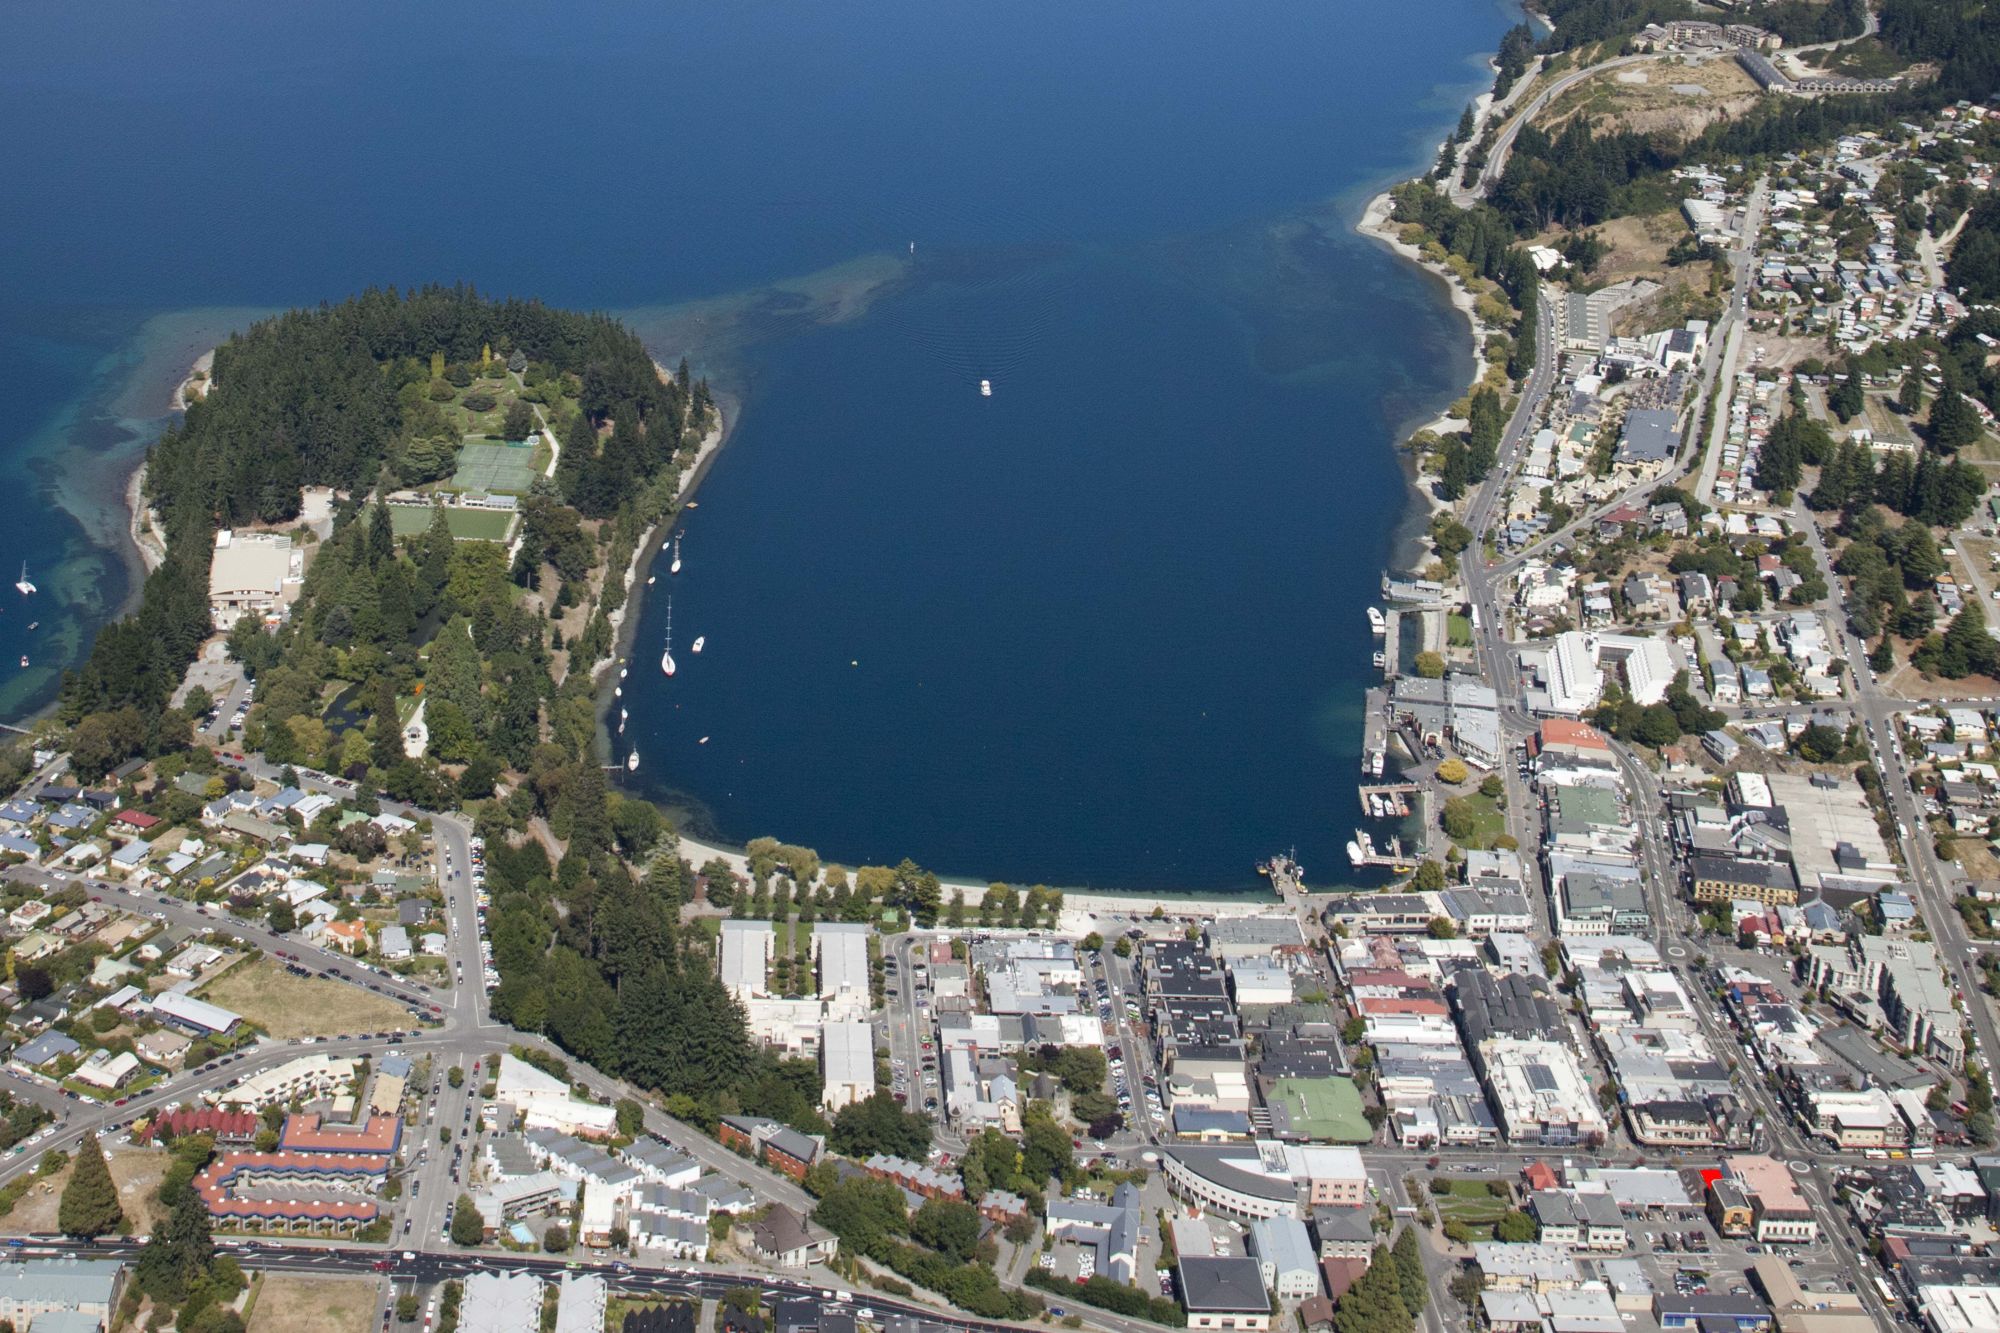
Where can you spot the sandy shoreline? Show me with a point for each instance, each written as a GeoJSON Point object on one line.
{"type": "Point", "coordinates": [1376, 223]}
{"type": "Point", "coordinates": [142, 526]}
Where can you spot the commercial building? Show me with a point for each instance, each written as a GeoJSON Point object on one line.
{"type": "Point", "coordinates": [1780, 1214]}
{"type": "Point", "coordinates": [1285, 1257]}
{"type": "Point", "coordinates": [847, 1062]}
{"type": "Point", "coordinates": [34, 1289]}
{"type": "Point", "coordinates": [1724, 879]}
{"type": "Point", "coordinates": [253, 573]}
{"type": "Point", "coordinates": [1223, 1293]}
{"type": "Point", "coordinates": [543, 1101]}
{"type": "Point", "coordinates": [197, 1018]}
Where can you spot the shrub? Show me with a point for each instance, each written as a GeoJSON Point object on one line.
{"type": "Point", "coordinates": [480, 402]}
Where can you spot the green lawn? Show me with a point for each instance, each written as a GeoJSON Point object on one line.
{"type": "Point", "coordinates": [467, 525]}
{"type": "Point", "coordinates": [1488, 822]}
{"type": "Point", "coordinates": [1458, 630]}
{"type": "Point", "coordinates": [1468, 1202]}
{"type": "Point", "coordinates": [501, 390]}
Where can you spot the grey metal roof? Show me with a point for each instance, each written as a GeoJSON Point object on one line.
{"type": "Point", "coordinates": [1222, 1286]}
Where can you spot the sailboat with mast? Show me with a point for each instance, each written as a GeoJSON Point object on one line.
{"type": "Point", "coordinates": [22, 585]}
{"type": "Point", "coordinates": [667, 654]}
{"type": "Point", "coordinates": [675, 567]}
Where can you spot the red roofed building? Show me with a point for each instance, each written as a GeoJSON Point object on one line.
{"type": "Point", "coordinates": [1540, 1176]}
{"type": "Point", "coordinates": [1379, 982]}
{"type": "Point", "coordinates": [1340, 1274]}
{"type": "Point", "coordinates": [137, 819]}
{"type": "Point", "coordinates": [1560, 736]}
{"type": "Point", "coordinates": [258, 1189]}
{"type": "Point", "coordinates": [1414, 1005]}
{"type": "Point", "coordinates": [380, 1135]}
{"type": "Point", "coordinates": [227, 1126]}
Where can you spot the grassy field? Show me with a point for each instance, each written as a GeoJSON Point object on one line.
{"type": "Point", "coordinates": [136, 1171]}
{"type": "Point", "coordinates": [467, 525]}
{"type": "Point", "coordinates": [500, 390]}
{"type": "Point", "coordinates": [1469, 1202]}
{"type": "Point", "coordinates": [313, 1305]}
{"type": "Point", "coordinates": [288, 1006]}
{"type": "Point", "coordinates": [1488, 823]}
{"type": "Point", "coordinates": [1458, 630]}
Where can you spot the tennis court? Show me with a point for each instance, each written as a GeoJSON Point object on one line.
{"type": "Point", "coordinates": [494, 465]}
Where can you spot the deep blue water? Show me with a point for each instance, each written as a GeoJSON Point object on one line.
{"type": "Point", "coordinates": [1102, 628]}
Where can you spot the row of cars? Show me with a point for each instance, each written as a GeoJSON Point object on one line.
{"type": "Point", "coordinates": [489, 974]}
{"type": "Point", "coordinates": [927, 1078]}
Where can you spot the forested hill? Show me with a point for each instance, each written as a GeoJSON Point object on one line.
{"type": "Point", "coordinates": [337, 396]}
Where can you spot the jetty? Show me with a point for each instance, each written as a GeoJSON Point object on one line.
{"type": "Point", "coordinates": [1375, 733]}
{"type": "Point", "coordinates": [1363, 852]}
{"type": "Point", "coordinates": [1388, 800]}
{"type": "Point", "coordinates": [1392, 645]}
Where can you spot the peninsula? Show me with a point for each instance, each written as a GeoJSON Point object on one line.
{"type": "Point", "coordinates": [1670, 996]}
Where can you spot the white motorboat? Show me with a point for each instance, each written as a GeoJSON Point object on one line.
{"type": "Point", "coordinates": [632, 762]}
{"type": "Point", "coordinates": [1353, 851]}
{"type": "Point", "coordinates": [1377, 621]}
{"type": "Point", "coordinates": [986, 388]}
{"type": "Point", "coordinates": [651, 579]}
{"type": "Point", "coordinates": [23, 586]}
{"type": "Point", "coordinates": [699, 641]}
{"type": "Point", "coordinates": [702, 741]}
{"type": "Point", "coordinates": [667, 666]}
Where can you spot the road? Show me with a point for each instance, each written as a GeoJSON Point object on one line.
{"type": "Point", "coordinates": [430, 1265]}
{"type": "Point", "coordinates": [1496, 157]}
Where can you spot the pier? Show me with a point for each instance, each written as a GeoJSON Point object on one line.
{"type": "Point", "coordinates": [1375, 733]}
{"type": "Point", "coordinates": [1395, 795]}
{"type": "Point", "coordinates": [1363, 852]}
{"type": "Point", "coordinates": [1392, 640]}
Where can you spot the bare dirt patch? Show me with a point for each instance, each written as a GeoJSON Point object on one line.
{"type": "Point", "coordinates": [1680, 97]}
{"type": "Point", "coordinates": [289, 1006]}
{"type": "Point", "coordinates": [1906, 682]}
{"type": "Point", "coordinates": [313, 1305]}
{"type": "Point", "coordinates": [136, 1172]}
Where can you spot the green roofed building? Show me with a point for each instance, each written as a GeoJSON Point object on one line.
{"type": "Point", "coordinates": [1319, 1110]}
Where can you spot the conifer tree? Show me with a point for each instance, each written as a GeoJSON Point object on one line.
{"type": "Point", "coordinates": [1410, 1271]}
{"type": "Point", "coordinates": [89, 1206]}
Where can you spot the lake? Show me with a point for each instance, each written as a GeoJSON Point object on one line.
{"type": "Point", "coordinates": [1104, 627]}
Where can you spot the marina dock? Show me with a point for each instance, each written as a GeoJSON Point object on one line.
{"type": "Point", "coordinates": [1388, 800]}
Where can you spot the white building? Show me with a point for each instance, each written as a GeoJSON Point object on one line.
{"type": "Point", "coordinates": [544, 1102]}
{"type": "Point", "coordinates": [307, 1077]}
{"type": "Point", "coordinates": [253, 573]}
{"type": "Point", "coordinates": [847, 1063]}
